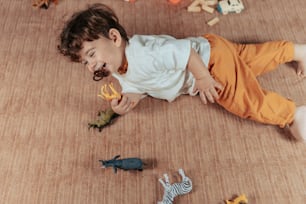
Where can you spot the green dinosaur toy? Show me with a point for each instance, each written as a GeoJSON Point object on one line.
{"type": "Point", "coordinates": [105, 118]}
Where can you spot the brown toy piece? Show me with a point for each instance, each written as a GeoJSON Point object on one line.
{"type": "Point", "coordinates": [43, 3]}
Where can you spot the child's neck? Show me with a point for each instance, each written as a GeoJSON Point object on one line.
{"type": "Point", "coordinates": [124, 66]}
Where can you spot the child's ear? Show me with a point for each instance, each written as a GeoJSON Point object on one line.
{"type": "Point", "coordinates": [115, 36]}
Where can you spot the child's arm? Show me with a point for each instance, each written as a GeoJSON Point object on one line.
{"type": "Point", "coordinates": [127, 103]}
{"type": "Point", "coordinates": [205, 84]}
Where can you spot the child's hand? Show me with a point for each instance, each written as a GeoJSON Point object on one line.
{"type": "Point", "coordinates": [127, 103]}
{"type": "Point", "coordinates": [205, 84]}
{"type": "Point", "coordinates": [122, 107]}
{"type": "Point", "coordinates": [208, 88]}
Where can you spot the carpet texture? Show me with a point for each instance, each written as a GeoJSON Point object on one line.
{"type": "Point", "coordinates": [48, 155]}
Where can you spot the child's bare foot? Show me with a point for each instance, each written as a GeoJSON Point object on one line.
{"type": "Point", "coordinates": [300, 57]}
{"type": "Point", "coordinates": [298, 127]}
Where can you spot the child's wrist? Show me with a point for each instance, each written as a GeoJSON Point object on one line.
{"type": "Point", "coordinates": [200, 77]}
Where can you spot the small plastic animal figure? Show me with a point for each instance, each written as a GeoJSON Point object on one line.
{"type": "Point", "coordinates": [174, 1]}
{"type": "Point", "coordinates": [125, 164]}
{"type": "Point", "coordinates": [175, 189]}
{"type": "Point", "coordinates": [109, 95]}
{"type": "Point", "coordinates": [239, 200]}
{"type": "Point", "coordinates": [230, 6]}
{"type": "Point", "coordinates": [43, 3]}
{"type": "Point", "coordinates": [105, 118]}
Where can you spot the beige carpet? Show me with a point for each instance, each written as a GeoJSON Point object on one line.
{"type": "Point", "coordinates": [47, 154]}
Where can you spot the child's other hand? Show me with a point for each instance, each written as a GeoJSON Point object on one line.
{"type": "Point", "coordinates": [123, 106]}
{"type": "Point", "coordinates": [208, 89]}
{"type": "Point", "coordinates": [127, 103]}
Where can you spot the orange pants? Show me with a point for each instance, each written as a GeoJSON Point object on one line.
{"type": "Point", "coordinates": [236, 67]}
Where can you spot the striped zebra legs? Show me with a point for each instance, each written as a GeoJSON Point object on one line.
{"type": "Point", "coordinates": [171, 191]}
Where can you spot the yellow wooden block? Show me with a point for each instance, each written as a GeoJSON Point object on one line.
{"type": "Point", "coordinates": [211, 2]}
{"type": "Point", "coordinates": [194, 9]}
{"type": "Point", "coordinates": [213, 21]}
{"type": "Point", "coordinates": [208, 9]}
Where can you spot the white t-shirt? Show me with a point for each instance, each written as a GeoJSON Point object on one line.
{"type": "Point", "coordinates": [157, 65]}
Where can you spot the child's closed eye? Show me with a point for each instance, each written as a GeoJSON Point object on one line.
{"type": "Point", "coordinates": [91, 54]}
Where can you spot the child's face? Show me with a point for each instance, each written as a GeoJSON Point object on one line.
{"type": "Point", "coordinates": [104, 53]}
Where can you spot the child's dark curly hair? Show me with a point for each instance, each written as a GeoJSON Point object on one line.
{"type": "Point", "coordinates": [88, 25]}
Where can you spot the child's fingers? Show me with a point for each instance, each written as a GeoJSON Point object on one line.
{"type": "Point", "coordinates": [219, 86]}
{"type": "Point", "coordinates": [121, 107]}
{"type": "Point", "coordinates": [126, 104]}
{"type": "Point", "coordinates": [203, 97]}
{"type": "Point", "coordinates": [214, 94]}
{"type": "Point", "coordinates": [210, 95]}
{"type": "Point", "coordinates": [114, 102]}
{"type": "Point", "coordinates": [124, 101]}
{"type": "Point", "coordinates": [126, 107]}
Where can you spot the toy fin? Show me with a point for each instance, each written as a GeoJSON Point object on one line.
{"type": "Point", "coordinates": [116, 157]}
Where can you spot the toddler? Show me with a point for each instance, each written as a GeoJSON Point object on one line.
{"type": "Point", "coordinates": [164, 67]}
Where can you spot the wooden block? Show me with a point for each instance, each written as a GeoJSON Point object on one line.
{"type": "Point", "coordinates": [213, 21]}
{"type": "Point", "coordinates": [194, 9]}
{"type": "Point", "coordinates": [211, 2]}
{"type": "Point", "coordinates": [208, 9]}
{"type": "Point", "coordinates": [202, 2]}
{"type": "Point", "coordinates": [195, 3]}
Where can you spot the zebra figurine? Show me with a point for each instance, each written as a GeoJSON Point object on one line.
{"type": "Point", "coordinates": [175, 189]}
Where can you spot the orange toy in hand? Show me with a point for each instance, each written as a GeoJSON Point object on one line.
{"type": "Point", "coordinates": [109, 95]}
{"type": "Point", "coordinates": [43, 3]}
